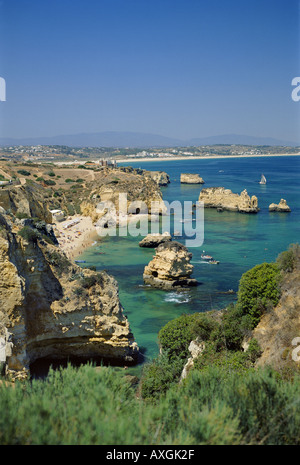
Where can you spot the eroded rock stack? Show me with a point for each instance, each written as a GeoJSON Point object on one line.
{"type": "Point", "coordinates": [191, 178]}
{"type": "Point", "coordinates": [280, 207]}
{"type": "Point", "coordinates": [170, 267]}
{"type": "Point", "coordinates": [225, 199]}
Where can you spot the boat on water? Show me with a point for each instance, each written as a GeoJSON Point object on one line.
{"type": "Point", "coordinates": [263, 180]}
{"type": "Point", "coordinates": [79, 261]}
{"type": "Point", "coordinates": [209, 259]}
{"type": "Point", "coordinates": [206, 257]}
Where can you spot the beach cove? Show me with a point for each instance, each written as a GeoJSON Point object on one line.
{"type": "Point", "coordinates": [238, 241]}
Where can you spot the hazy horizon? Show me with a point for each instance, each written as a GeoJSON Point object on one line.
{"type": "Point", "coordinates": [181, 69]}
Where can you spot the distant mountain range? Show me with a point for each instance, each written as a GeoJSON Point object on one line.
{"type": "Point", "coordinates": [143, 140]}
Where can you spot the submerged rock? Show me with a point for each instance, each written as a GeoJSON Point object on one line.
{"type": "Point", "coordinates": [191, 178]}
{"type": "Point", "coordinates": [280, 207]}
{"type": "Point", "coordinates": [170, 267]}
{"type": "Point", "coordinates": [225, 199]}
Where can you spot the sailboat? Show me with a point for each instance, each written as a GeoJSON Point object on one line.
{"type": "Point", "coordinates": [263, 180]}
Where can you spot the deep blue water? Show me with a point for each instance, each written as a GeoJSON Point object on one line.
{"type": "Point", "coordinates": [238, 241]}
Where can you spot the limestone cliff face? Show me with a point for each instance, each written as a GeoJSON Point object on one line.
{"type": "Point", "coordinates": [160, 177]}
{"type": "Point", "coordinates": [139, 194]}
{"type": "Point", "coordinates": [282, 206]}
{"type": "Point", "coordinates": [225, 199]}
{"type": "Point", "coordinates": [278, 332]}
{"type": "Point", "coordinates": [170, 267]}
{"type": "Point", "coordinates": [28, 199]}
{"type": "Point", "coordinates": [191, 178]}
{"type": "Point", "coordinates": [52, 308]}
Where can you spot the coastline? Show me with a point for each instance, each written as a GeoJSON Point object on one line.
{"type": "Point", "coordinates": [139, 160]}
{"type": "Point", "coordinates": [75, 239]}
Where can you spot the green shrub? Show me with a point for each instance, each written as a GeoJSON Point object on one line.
{"type": "Point", "coordinates": [259, 288]}
{"type": "Point", "coordinates": [85, 406]}
{"type": "Point", "coordinates": [24, 172]}
{"type": "Point", "coordinates": [49, 182]}
{"type": "Point", "coordinates": [159, 375]}
{"type": "Point", "coordinates": [29, 234]}
{"type": "Point", "coordinates": [288, 259]}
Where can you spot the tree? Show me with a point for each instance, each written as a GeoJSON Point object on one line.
{"type": "Point", "coordinates": [258, 289]}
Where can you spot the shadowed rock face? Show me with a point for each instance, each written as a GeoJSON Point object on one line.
{"type": "Point", "coordinates": [225, 199]}
{"type": "Point", "coordinates": [170, 267]}
{"type": "Point", "coordinates": [51, 308]}
{"type": "Point", "coordinates": [280, 207]}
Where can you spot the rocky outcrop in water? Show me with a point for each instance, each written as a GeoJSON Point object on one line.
{"type": "Point", "coordinates": [154, 240]}
{"type": "Point", "coordinates": [51, 308]}
{"type": "Point", "coordinates": [191, 178]}
{"type": "Point", "coordinates": [170, 267]}
{"type": "Point", "coordinates": [225, 199]}
{"type": "Point", "coordinates": [280, 207]}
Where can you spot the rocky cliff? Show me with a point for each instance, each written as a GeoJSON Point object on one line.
{"type": "Point", "coordinates": [52, 308]}
{"type": "Point", "coordinates": [225, 199]}
{"type": "Point", "coordinates": [278, 332]}
{"type": "Point", "coordinates": [139, 194]}
{"type": "Point", "coordinates": [27, 200]}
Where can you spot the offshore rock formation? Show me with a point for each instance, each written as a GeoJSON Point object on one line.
{"type": "Point", "coordinates": [225, 199]}
{"type": "Point", "coordinates": [170, 267]}
{"type": "Point", "coordinates": [191, 178]}
{"type": "Point", "coordinates": [154, 240]}
{"type": "Point", "coordinates": [53, 309]}
{"type": "Point", "coordinates": [280, 207]}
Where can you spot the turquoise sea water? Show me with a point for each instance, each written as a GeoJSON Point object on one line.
{"type": "Point", "coordinates": [239, 241]}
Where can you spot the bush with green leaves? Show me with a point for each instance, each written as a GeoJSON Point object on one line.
{"type": "Point", "coordinates": [259, 290]}
{"type": "Point", "coordinates": [159, 375]}
{"type": "Point", "coordinates": [88, 406]}
{"type": "Point", "coordinates": [177, 334]}
{"type": "Point", "coordinates": [24, 172]}
{"type": "Point", "coordinates": [29, 234]}
{"type": "Point", "coordinates": [288, 260]}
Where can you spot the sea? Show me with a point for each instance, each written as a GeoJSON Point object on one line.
{"type": "Point", "coordinates": [238, 241]}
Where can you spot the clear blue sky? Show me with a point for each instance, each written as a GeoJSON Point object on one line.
{"type": "Point", "coordinates": [179, 68]}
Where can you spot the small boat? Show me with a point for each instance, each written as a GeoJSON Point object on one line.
{"type": "Point", "coordinates": [263, 180]}
{"type": "Point", "coordinates": [214, 262]}
{"type": "Point", "coordinates": [206, 257]}
{"type": "Point", "coordinates": [79, 261]}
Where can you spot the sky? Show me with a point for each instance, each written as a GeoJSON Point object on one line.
{"type": "Point", "coordinates": [178, 68]}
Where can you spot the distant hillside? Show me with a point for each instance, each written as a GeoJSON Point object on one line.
{"type": "Point", "coordinates": [136, 139]}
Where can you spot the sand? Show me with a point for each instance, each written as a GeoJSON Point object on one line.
{"type": "Point", "coordinates": [210, 157]}
{"type": "Point", "coordinates": [76, 238]}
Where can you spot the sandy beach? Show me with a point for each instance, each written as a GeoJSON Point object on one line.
{"type": "Point", "coordinates": [75, 234]}
{"type": "Point", "coordinates": [211, 157]}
